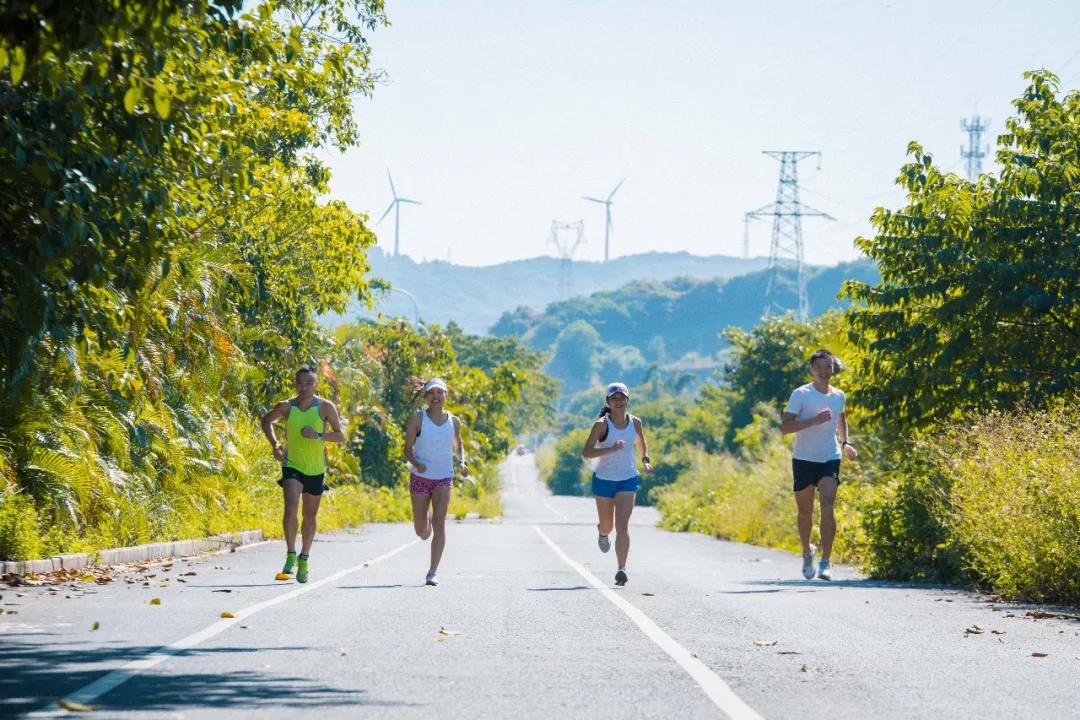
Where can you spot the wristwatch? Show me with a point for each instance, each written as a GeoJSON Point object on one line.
{"type": "Point", "coordinates": [645, 459]}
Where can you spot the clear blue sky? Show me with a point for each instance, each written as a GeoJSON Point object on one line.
{"type": "Point", "coordinates": [497, 116]}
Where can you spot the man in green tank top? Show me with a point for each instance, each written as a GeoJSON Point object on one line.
{"type": "Point", "coordinates": [303, 461]}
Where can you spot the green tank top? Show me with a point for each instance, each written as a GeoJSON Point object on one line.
{"type": "Point", "coordinates": [307, 456]}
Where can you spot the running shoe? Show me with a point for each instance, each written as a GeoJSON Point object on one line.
{"type": "Point", "coordinates": [808, 564]}
{"type": "Point", "coordinates": [432, 579]}
{"type": "Point", "coordinates": [290, 563]}
{"type": "Point", "coordinates": [604, 542]}
{"type": "Point", "coordinates": [620, 577]}
{"type": "Point", "coordinates": [301, 570]}
{"type": "Point", "coordinates": [824, 571]}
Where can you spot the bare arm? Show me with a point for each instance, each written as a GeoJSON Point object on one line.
{"type": "Point", "coordinates": [642, 444]}
{"type": "Point", "coordinates": [591, 451]}
{"type": "Point", "coordinates": [278, 412]}
{"type": "Point", "coordinates": [459, 446]}
{"type": "Point", "coordinates": [331, 418]}
{"type": "Point", "coordinates": [791, 423]}
{"type": "Point", "coordinates": [412, 429]}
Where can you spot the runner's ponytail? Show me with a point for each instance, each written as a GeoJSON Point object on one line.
{"type": "Point", "coordinates": [604, 411]}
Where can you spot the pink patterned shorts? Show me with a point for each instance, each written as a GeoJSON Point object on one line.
{"type": "Point", "coordinates": [423, 486]}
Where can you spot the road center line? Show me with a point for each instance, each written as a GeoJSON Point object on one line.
{"type": "Point", "coordinates": [715, 688]}
{"type": "Point", "coordinates": [122, 674]}
{"type": "Point", "coordinates": [550, 507]}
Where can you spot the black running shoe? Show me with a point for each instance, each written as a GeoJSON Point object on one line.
{"type": "Point", "coordinates": [620, 577]}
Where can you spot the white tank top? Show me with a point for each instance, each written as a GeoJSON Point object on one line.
{"type": "Point", "coordinates": [434, 448]}
{"type": "Point", "coordinates": [617, 465]}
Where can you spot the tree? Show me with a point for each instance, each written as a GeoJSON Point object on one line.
{"type": "Point", "coordinates": [978, 306]}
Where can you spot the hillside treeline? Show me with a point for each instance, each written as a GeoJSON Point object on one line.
{"type": "Point", "coordinates": [167, 251]}
{"type": "Point", "coordinates": [963, 367]}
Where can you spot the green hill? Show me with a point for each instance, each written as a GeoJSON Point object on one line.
{"type": "Point", "coordinates": [674, 323]}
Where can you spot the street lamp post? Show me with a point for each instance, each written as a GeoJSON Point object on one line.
{"type": "Point", "coordinates": [416, 307]}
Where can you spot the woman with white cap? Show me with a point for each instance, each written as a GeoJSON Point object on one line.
{"type": "Point", "coordinates": [431, 439]}
{"type": "Point", "coordinates": [615, 476]}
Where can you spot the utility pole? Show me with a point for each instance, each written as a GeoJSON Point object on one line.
{"type": "Point", "coordinates": [786, 251]}
{"type": "Point", "coordinates": [974, 153]}
{"type": "Point", "coordinates": [566, 237]}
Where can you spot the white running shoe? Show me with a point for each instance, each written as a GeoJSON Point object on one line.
{"type": "Point", "coordinates": [824, 571]}
{"type": "Point", "coordinates": [604, 542]}
{"type": "Point", "coordinates": [432, 579]}
{"type": "Point", "coordinates": [808, 564]}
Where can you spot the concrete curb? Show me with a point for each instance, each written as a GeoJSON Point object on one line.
{"type": "Point", "coordinates": [138, 553]}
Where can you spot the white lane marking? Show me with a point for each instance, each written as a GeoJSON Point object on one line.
{"type": "Point", "coordinates": [552, 509]}
{"type": "Point", "coordinates": [717, 690]}
{"type": "Point", "coordinates": [121, 675]}
{"type": "Point", "coordinates": [241, 548]}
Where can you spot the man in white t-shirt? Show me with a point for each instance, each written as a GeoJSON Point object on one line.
{"type": "Point", "coordinates": [815, 413]}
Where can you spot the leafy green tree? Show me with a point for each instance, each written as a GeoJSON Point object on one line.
{"type": "Point", "coordinates": [574, 360]}
{"type": "Point", "coordinates": [978, 306]}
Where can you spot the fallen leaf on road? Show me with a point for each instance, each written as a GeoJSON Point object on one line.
{"type": "Point", "coordinates": [95, 626]}
{"type": "Point", "coordinates": [1039, 654]}
{"type": "Point", "coordinates": [788, 652]}
{"type": "Point", "coordinates": [344, 651]}
{"type": "Point", "coordinates": [163, 584]}
{"type": "Point", "coordinates": [190, 572]}
{"type": "Point", "coordinates": [997, 632]}
{"type": "Point", "coordinates": [445, 631]}
{"type": "Point", "coordinates": [76, 706]}
{"type": "Point", "coordinates": [648, 594]}
{"type": "Point", "coordinates": [223, 590]}
{"type": "Point", "coordinates": [1043, 615]}
{"type": "Point", "coordinates": [765, 643]}
{"type": "Point", "coordinates": [155, 601]}
{"type": "Point", "coordinates": [227, 615]}
{"type": "Point", "coordinates": [803, 668]}
{"type": "Point", "coordinates": [283, 576]}
{"type": "Point", "coordinates": [974, 630]}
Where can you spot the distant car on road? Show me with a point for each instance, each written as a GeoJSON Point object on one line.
{"type": "Point", "coordinates": [521, 450]}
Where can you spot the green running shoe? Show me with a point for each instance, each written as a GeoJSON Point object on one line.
{"type": "Point", "coordinates": [290, 563]}
{"type": "Point", "coordinates": [302, 570]}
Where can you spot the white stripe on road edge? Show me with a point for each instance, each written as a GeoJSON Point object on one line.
{"type": "Point", "coordinates": [717, 690]}
{"type": "Point", "coordinates": [122, 674]}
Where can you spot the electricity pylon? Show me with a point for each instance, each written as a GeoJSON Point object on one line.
{"type": "Point", "coordinates": [974, 153]}
{"type": "Point", "coordinates": [567, 237]}
{"type": "Point", "coordinates": [786, 251]}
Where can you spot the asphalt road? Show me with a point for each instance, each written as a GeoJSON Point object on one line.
{"type": "Point", "coordinates": [527, 623]}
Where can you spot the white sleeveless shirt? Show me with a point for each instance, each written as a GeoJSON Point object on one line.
{"type": "Point", "coordinates": [434, 448]}
{"type": "Point", "coordinates": [618, 465]}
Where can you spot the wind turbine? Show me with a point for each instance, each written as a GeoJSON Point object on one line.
{"type": "Point", "coordinates": [607, 214]}
{"type": "Point", "coordinates": [395, 205]}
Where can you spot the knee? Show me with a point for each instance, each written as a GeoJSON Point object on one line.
{"type": "Point", "coordinates": [438, 525]}
{"type": "Point", "coordinates": [309, 516]}
{"type": "Point", "coordinates": [290, 510]}
{"type": "Point", "coordinates": [827, 505]}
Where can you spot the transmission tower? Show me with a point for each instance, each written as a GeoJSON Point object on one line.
{"type": "Point", "coordinates": [974, 153]}
{"type": "Point", "coordinates": [567, 237]}
{"type": "Point", "coordinates": [786, 252]}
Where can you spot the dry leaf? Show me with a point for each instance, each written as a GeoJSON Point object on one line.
{"type": "Point", "coordinates": [163, 584]}
{"type": "Point", "coordinates": [223, 590]}
{"type": "Point", "coordinates": [648, 594]}
{"type": "Point", "coordinates": [974, 630]}
{"type": "Point", "coordinates": [1039, 654]}
{"type": "Point", "coordinates": [190, 572]}
{"type": "Point", "coordinates": [227, 615]}
{"type": "Point", "coordinates": [765, 643]}
{"type": "Point", "coordinates": [76, 706]}
{"type": "Point", "coordinates": [155, 601]}
{"type": "Point", "coordinates": [283, 576]}
{"type": "Point", "coordinates": [445, 631]}
{"type": "Point", "coordinates": [997, 632]}
{"type": "Point", "coordinates": [803, 668]}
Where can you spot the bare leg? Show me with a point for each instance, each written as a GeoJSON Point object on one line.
{"type": "Point", "coordinates": [605, 511]}
{"type": "Point", "coordinates": [440, 501]}
{"type": "Point", "coordinates": [624, 506]}
{"type": "Point", "coordinates": [420, 518]}
{"type": "Point", "coordinates": [291, 492]}
{"type": "Point", "coordinates": [307, 532]}
{"type": "Point", "coordinates": [827, 488]}
{"type": "Point", "coordinates": [804, 501]}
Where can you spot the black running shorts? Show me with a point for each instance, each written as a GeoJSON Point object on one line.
{"type": "Point", "coordinates": [808, 473]}
{"type": "Point", "coordinates": [313, 484]}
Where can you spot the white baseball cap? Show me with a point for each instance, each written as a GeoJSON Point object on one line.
{"type": "Point", "coordinates": [616, 388]}
{"type": "Point", "coordinates": [436, 383]}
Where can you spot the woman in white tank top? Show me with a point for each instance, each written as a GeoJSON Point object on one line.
{"type": "Point", "coordinates": [615, 477]}
{"type": "Point", "coordinates": [431, 439]}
